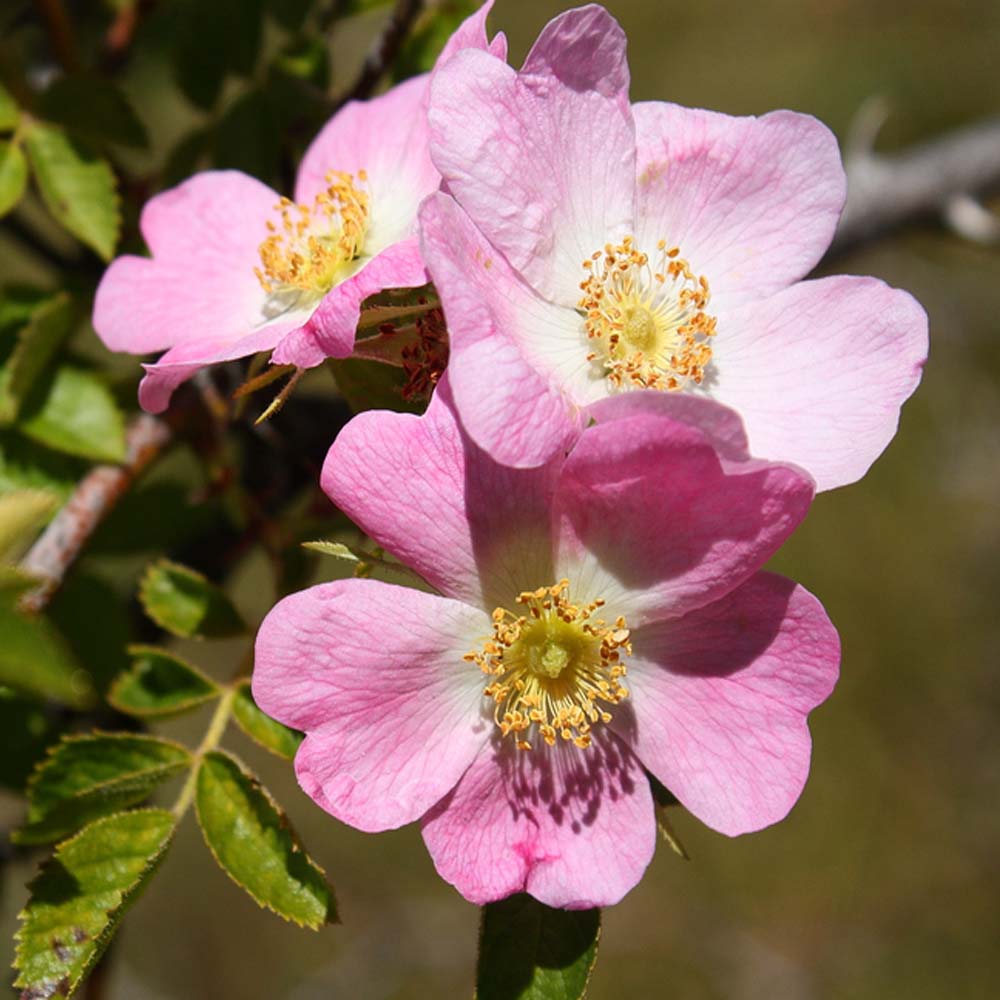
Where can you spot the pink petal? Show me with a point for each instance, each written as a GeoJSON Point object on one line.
{"type": "Point", "coordinates": [374, 675]}
{"type": "Point", "coordinates": [721, 698]}
{"type": "Point", "coordinates": [546, 172]}
{"type": "Point", "coordinates": [475, 530]}
{"type": "Point", "coordinates": [653, 522]}
{"type": "Point", "coordinates": [387, 138]}
{"type": "Point", "coordinates": [574, 828]}
{"type": "Point", "coordinates": [819, 372]}
{"type": "Point", "coordinates": [500, 336]}
{"type": "Point", "coordinates": [330, 331]}
{"type": "Point", "coordinates": [584, 49]}
{"type": "Point", "coordinates": [200, 284]}
{"type": "Point", "coordinates": [751, 202]}
{"type": "Point", "coordinates": [471, 34]}
{"type": "Point", "coordinates": [189, 357]}
{"type": "Point", "coordinates": [720, 425]}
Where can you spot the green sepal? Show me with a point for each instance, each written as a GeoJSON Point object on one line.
{"type": "Point", "coordinates": [254, 844]}
{"type": "Point", "coordinates": [160, 684]}
{"type": "Point", "coordinates": [79, 897]}
{"type": "Point", "coordinates": [87, 776]}
{"type": "Point", "coordinates": [529, 951]}
{"type": "Point", "coordinates": [185, 603]}
{"type": "Point", "coordinates": [261, 728]}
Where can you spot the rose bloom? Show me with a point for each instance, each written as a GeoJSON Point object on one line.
{"type": "Point", "coordinates": [596, 616]}
{"type": "Point", "coordinates": [590, 247]}
{"type": "Point", "coordinates": [236, 269]}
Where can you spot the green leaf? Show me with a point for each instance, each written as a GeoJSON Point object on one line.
{"type": "Point", "coordinates": [528, 951]}
{"type": "Point", "coordinates": [73, 411]}
{"type": "Point", "coordinates": [78, 187]}
{"type": "Point", "coordinates": [35, 659]}
{"type": "Point", "coordinates": [94, 109]}
{"type": "Point", "coordinates": [21, 515]}
{"type": "Point", "coordinates": [79, 897]}
{"type": "Point", "coordinates": [254, 844]}
{"type": "Point", "coordinates": [159, 684]}
{"type": "Point", "coordinates": [183, 602]}
{"type": "Point", "coordinates": [13, 176]}
{"type": "Point", "coordinates": [37, 342]}
{"type": "Point", "coordinates": [9, 113]}
{"type": "Point", "coordinates": [89, 776]}
{"type": "Point", "coordinates": [261, 728]}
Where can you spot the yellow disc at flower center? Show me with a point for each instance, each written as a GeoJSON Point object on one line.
{"type": "Point", "coordinates": [646, 319]}
{"type": "Point", "coordinates": [554, 668]}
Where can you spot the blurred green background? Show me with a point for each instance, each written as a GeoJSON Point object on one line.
{"type": "Point", "coordinates": [885, 881]}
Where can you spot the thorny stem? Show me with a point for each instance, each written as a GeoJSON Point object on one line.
{"type": "Point", "coordinates": [220, 719]}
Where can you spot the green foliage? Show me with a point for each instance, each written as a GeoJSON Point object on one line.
{"type": "Point", "coordinates": [290, 14]}
{"type": "Point", "coordinates": [8, 110]}
{"type": "Point", "coordinates": [261, 728]}
{"type": "Point", "coordinates": [528, 951]}
{"type": "Point", "coordinates": [35, 659]}
{"type": "Point", "coordinates": [254, 844]}
{"type": "Point", "coordinates": [85, 777]}
{"type": "Point", "coordinates": [77, 186]}
{"type": "Point", "coordinates": [37, 341]}
{"type": "Point", "coordinates": [13, 175]}
{"type": "Point", "coordinates": [22, 513]}
{"type": "Point", "coordinates": [93, 109]}
{"type": "Point", "coordinates": [73, 411]}
{"type": "Point", "coordinates": [184, 603]}
{"type": "Point", "coordinates": [368, 564]}
{"type": "Point", "coordinates": [160, 684]}
{"type": "Point", "coordinates": [80, 896]}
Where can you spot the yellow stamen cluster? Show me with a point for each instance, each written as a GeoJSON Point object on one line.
{"type": "Point", "coordinates": [554, 666]}
{"type": "Point", "coordinates": [648, 319]}
{"type": "Point", "coordinates": [312, 243]}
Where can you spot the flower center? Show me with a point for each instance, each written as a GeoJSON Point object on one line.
{"type": "Point", "coordinates": [553, 667]}
{"type": "Point", "coordinates": [647, 318]}
{"type": "Point", "coordinates": [312, 246]}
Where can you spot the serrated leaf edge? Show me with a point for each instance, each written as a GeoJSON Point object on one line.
{"type": "Point", "coordinates": [297, 845]}
{"type": "Point", "coordinates": [128, 897]}
{"type": "Point", "coordinates": [140, 649]}
{"type": "Point", "coordinates": [144, 600]}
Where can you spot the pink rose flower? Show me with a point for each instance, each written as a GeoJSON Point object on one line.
{"type": "Point", "coordinates": [597, 615]}
{"type": "Point", "coordinates": [594, 247]}
{"type": "Point", "coordinates": [236, 269]}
